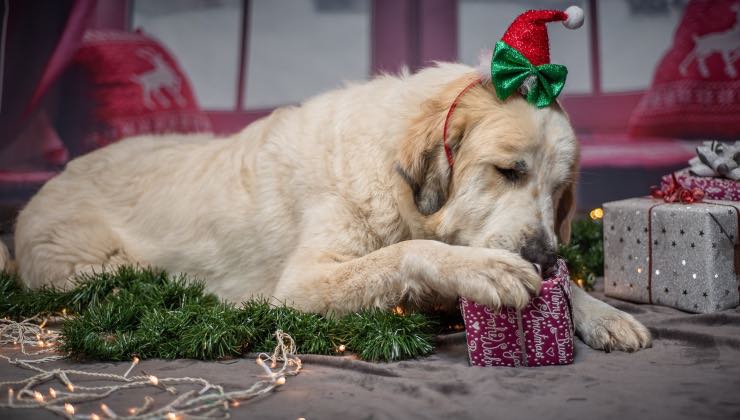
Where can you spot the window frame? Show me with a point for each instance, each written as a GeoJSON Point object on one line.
{"type": "Point", "coordinates": [413, 33]}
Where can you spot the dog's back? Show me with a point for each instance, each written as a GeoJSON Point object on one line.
{"type": "Point", "coordinates": [76, 221]}
{"type": "Point", "coordinates": [230, 210]}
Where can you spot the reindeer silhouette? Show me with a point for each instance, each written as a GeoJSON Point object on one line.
{"type": "Point", "coordinates": [155, 82]}
{"type": "Point", "coordinates": [726, 43]}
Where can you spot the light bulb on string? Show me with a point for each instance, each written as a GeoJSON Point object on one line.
{"type": "Point", "coordinates": [596, 214]}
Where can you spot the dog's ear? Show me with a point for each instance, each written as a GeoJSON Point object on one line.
{"type": "Point", "coordinates": [564, 214]}
{"type": "Point", "coordinates": [422, 162]}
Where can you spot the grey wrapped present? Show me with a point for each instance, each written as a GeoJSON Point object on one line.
{"type": "Point", "coordinates": [680, 255]}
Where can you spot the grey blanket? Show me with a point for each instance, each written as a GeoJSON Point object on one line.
{"type": "Point", "coordinates": [692, 372]}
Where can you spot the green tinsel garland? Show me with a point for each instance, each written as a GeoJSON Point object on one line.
{"type": "Point", "coordinates": [148, 313]}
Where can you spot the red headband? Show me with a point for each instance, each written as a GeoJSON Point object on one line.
{"type": "Point", "coordinates": [448, 150]}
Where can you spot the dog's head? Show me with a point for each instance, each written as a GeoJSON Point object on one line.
{"type": "Point", "coordinates": [513, 181]}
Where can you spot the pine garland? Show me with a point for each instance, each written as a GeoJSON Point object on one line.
{"type": "Point", "coordinates": [585, 253]}
{"type": "Point", "coordinates": [150, 314]}
{"type": "Point", "coordinates": [147, 313]}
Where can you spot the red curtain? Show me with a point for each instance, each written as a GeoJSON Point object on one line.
{"type": "Point", "coordinates": [38, 40]}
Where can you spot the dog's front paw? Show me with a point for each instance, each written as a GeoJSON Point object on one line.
{"type": "Point", "coordinates": [611, 329]}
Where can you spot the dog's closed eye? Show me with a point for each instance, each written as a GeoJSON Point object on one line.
{"type": "Point", "coordinates": [511, 174]}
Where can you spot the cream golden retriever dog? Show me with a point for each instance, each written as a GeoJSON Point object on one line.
{"type": "Point", "coordinates": [344, 202]}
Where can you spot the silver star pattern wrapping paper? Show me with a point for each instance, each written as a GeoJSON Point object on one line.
{"type": "Point", "coordinates": [692, 246]}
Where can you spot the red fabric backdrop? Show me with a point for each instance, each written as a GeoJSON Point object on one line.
{"type": "Point", "coordinates": [696, 87]}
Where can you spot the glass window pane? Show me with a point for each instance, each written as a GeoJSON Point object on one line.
{"type": "Point", "coordinates": [633, 36]}
{"type": "Point", "coordinates": [482, 23]}
{"type": "Point", "coordinates": [298, 48]}
{"type": "Point", "coordinates": [204, 37]}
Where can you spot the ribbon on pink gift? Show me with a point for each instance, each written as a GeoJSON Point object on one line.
{"type": "Point", "coordinates": [675, 192]}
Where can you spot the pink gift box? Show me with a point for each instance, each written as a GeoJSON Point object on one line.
{"type": "Point", "coordinates": [714, 188]}
{"type": "Point", "coordinates": [541, 334]}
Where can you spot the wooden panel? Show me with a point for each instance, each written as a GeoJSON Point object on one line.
{"type": "Point", "coordinates": [393, 39]}
{"type": "Point", "coordinates": [112, 14]}
{"type": "Point", "coordinates": [438, 31]}
{"type": "Point", "coordinates": [606, 113]}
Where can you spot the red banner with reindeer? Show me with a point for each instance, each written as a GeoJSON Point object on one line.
{"type": "Point", "coordinates": [127, 84]}
{"type": "Point", "coordinates": [696, 87]}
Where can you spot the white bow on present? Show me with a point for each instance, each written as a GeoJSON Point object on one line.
{"type": "Point", "coordinates": [717, 159]}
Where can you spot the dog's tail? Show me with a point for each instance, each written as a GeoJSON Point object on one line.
{"type": "Point", "coordinates": [6, 264]}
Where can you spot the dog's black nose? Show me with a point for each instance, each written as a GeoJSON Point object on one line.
{"type": "Point", "coordinates": [545, 259]}
{"type": "Point", "coordinates": [537, 252]}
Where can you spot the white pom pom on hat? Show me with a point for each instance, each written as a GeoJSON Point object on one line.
{"type": "Point", "coordinates": [575, 17]}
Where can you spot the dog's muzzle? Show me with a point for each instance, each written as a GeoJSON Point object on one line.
{"type": "Point", "coordinates": [539, 252]}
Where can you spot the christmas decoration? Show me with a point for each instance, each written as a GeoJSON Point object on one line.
{"type": "Point", "coordinates": [125, 84]}
{"type": "Point", "coordinates": [521, 59]}
{"type": "Point", "coordinates": [714, 188]}
{"type": "Point", "coordinates": [64, 391]}
{"type": "Point", "coordinates": [675, 192]}
{"type": "Point", "coordinates": [521, 62]}
{"type": "Point", "coordinates": [540, 334]}
{"type": "Point", "coordinates": [584, 254]}
{"type": "Point", "coordinates": [670, 253]}
{"type": "Point", "coordinates": [101, 304]}
{"type": "Point", "coordinates": [137, 313]}
{"type": "Point", "coordinates": [147, 313]}
{"type": "Point", "coordinates": [717, 159]}
{"type": "Point", "coordinates": [695, 92]}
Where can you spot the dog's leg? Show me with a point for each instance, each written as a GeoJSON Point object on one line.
{"type": "Point", "coordinates": [604, 327]}
{"type": "Point", "coordinates": [407, 271]}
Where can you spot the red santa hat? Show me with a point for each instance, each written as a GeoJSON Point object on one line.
{"type": "Point", "coordinates": [528, 34]}
{"type": "Point", "coordinates": [526, 44]}
{"type": "Point", "coordinates": [521, 62]}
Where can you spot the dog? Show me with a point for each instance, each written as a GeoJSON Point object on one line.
{"type": "Point", "coordinates": [344, 202]}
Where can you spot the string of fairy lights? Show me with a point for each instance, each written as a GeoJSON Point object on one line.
{"type": "Point", "coordinates": [62, 391]}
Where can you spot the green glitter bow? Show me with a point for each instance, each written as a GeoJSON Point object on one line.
{"type": "Point", "coordinates": [509, 69]}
